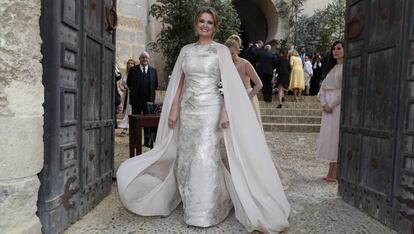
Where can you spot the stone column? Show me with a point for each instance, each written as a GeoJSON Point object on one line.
{"type": "Point", "coordinates": [21, 120]}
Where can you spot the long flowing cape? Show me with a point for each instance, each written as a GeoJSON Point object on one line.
{"type": "Point", "coordinates": [147, 185]}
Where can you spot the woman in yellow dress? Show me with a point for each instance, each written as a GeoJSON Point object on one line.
{"type": "Point", "coordinates": [297, 79]}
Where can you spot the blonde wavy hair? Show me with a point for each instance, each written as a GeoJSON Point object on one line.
{"type": "Point", "coordinates": [234, 41]}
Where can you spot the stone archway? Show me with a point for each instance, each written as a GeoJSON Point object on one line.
{"type": "Point", "coordinates": [259, 20]}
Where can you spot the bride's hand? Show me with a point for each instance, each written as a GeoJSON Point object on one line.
{"type": "Point", "coordinates": [173, 117]}
{"type": "Point", "coordinates": [224, 120]}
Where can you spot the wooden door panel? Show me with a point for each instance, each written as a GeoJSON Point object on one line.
{"type": "Point", "coordinates": [354, 90]}
{"type": "Point", "coordinates": [78, 63]}
{"type": "Point", "coordinates": [377, 120]}
{"type": "Point", "coordinates": [92, 80]}
{"type": "Point", "coordinates": [107, 150]}
{"type": "Point", "coordinates": [350, 165]}
{"type": "Point", "coordinates": [91, 155]}
{"type": "Point", "coordinates": [357, 27]}
{"type": "Point", "coordinates": [108, 84]}
{"type": "Point", "coordinates": [380, 90]}
{"type": "Point", "coordinates": [376, 165]}
{"type": "Point", "coordinates": [385, 16]}
{"type": "Point", "coordinates": [94, 16]}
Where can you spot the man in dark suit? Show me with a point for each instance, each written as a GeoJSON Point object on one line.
{"type": "Point", "coordinates": [302, 54]}
{"type": "Point", "coordinates": [251, 53]}
{"type": "Point", "coordinates": [142, 81]}
{"type": "Point", "coordinates": [266, 62]}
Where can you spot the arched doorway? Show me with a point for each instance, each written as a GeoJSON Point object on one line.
{"type": "Point", "coordinates": [253, 21]}
{"type": "Point", "coordinates": [259, 20]}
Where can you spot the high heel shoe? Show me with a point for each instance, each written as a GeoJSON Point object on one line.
{"type": "Point", "coordinates": [329, 179]}
{"type": "Point", "coordinates": [279, 106]}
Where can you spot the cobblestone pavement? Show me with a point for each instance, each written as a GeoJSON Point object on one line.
{"type": "Point", "coordinates": [316, 208]}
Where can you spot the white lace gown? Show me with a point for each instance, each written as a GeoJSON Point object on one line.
{"type": "Point", "coordinates": [185, 163]}
{"type": "Point", "coordinates": [198, 168]}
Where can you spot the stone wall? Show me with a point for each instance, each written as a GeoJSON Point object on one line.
{"type": "Point", "coordinates": [21, 120]}
{"type": "Point", "coordinates": [135, 30]}
{"type": "Point", "coordinates": [131, 30]}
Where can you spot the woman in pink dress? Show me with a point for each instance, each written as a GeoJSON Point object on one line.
{"type": "Point", "coordinates": [330, 98]}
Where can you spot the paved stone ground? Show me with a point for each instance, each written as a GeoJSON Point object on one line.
{"type": "Point", "coordinates": [316, 208]}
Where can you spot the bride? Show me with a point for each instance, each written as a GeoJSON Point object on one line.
{"type": "Point", "coordinates": [185, 163]}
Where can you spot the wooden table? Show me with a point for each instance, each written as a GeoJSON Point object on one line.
{"type": "Point", "coordinates": [136, 123]}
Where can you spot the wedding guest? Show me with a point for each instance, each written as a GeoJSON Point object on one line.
{"type": "Point", "coordinates": [317, 74]}
{"type": "Point", "coordinates": [248, 76]}
{"type": "Point", "coordinates": [142, 81]}
{"type": "Point", "coordinates": [126, 107]}
{"type": "Point", "coordinates": [266, 63]}
{"type": "Point", "coordinates": [307, 73]}
{"type": "Point", "coordinates": [185, 163]}
{"type": "Point", "coordinates": [330, 98]}
{"type": "Point", "coordinates": [296, 81]}
{"type": "Point", "coordinates": [283, 72]}
{"type": "Point", "coordinates": [246, 72]}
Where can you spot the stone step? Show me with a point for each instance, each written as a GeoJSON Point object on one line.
{"type": "Point", "coordinates": [291, 119]}
{"type": "Point", "coordinates": [298, 105]}
{"type": "Point", "coordinates": [290, 98]}
{"type": "Point", "coordinates": [290, 112]}
{"type": "Point", "coordinates": [284, 127]}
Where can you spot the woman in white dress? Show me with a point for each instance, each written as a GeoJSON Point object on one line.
{"type": "Point", "coordinates": [330, 98]}
{"type": "Point", "coordinates": [308, 73]}
{"type": "Point", "coordinates": [185, 163]}
{"type": "Point", "coordinates": [127, 109]}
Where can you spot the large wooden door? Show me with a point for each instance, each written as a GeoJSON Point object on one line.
{"type": "Point", "coordinates": [78, 62]}
{"type": "Point", "coordinates": [376, 162]}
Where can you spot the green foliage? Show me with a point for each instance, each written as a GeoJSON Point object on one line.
{"type": "Point", "coordinates": [316, 32]}
{"type": "Point", "coordinates": [291, 10]}
{"type": "Point", "coordinates": [177, 20]}
{"type": "Point", "coordinates": [229, 21]}
{"type": "Point", "coordinates": [323, 28]}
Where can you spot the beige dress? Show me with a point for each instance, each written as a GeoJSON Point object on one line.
{"type": "Point", "coordinates": [246, 71]}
